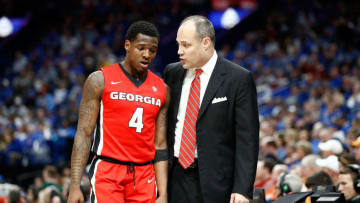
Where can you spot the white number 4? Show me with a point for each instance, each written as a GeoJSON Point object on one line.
{"type": "Point", "coordinates": [136, 120]}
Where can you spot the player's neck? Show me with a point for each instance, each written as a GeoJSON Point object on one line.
{"type": "Point", "coordinates": [137, 75]}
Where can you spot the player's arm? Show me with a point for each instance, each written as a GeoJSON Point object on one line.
{"type": "Point", "coordinates": [161, 157]}
{"type": "Point", "coordinates": [88, 113]}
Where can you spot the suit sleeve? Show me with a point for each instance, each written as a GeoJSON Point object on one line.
{"type": "Point", "coordinates": [166, 74]}
{"type": "Point", "coordinates": [247, 137]}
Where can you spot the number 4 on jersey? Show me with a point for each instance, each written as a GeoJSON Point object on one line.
{"type": "Point", "coordinates": [136, 120]}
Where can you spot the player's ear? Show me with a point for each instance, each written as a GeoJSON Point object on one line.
{"type": "Point", "coordinates": [127, 45]}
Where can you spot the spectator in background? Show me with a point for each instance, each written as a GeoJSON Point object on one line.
{"type": "Point", "coordinates": [288, 183]}
{"type": "Point", "coordinates": [315, 138]}
{"type": "Point", "coordinates": [330, 165]}
{"type": "Point", "coordinates": [32, 195]}
{"type": "Point", "coordinates": [50, 195]}
{"type": "Point", "coordinates": [14, 196]}
{"type": "Point", "coordinates": [330, 147]}
{"type": "Point", "coordinates": [318, 178]}
{"type": "Point", "coordinates": [269, 149]}
{"type": "Point", "coordinates": [354, 100]}
{"type": "Point", "coordinates": [9, 191]}
{"type": "Point", "coordinates": [263, 174]}
{"type": "Point", "coordinates": [303, 148]}
{"type": "Point", "coordinates": [354, 132]}
{"type": "Point", "coordinates": [346, 159]}
{"type": "Point", "coordinates": [346, 184]}
{"type": "Point", "coordinates": [51, 178]}
{"type": "Point", "coordinates": [65, 180]}
{"type": "Point", "coordinates": [14, 152]}
{"type": "Point", "coordinates": [356, 149]}
{"type": "Point", "coordinates": [309, 166]}
{"type": "Point", "coordinates": [325, 134]}
{"type": "Point", "coordinates": [278, 169]}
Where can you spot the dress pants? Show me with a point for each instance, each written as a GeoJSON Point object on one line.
{"type": "Point", "coordinates": [184, 184]}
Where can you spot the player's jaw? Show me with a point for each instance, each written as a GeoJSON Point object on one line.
{"type": "Point", "coordinates": [140, 65]}
{"type": "Point", "coordinates": [144, 59]}
{"type": "Point", "coordinates": [144, 64]}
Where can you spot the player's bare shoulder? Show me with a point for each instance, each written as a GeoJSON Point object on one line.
{"type": "Point", "coordinates": [95, 83]}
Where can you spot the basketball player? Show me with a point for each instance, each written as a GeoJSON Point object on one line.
{"type": "Point", "coordinates": [128, 104]}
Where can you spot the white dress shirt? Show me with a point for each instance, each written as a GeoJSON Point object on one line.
{"type": "Point", "coordinates": [189, 77]}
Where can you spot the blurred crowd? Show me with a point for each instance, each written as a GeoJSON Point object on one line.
{"type": "Point", "coordinates": [306, 63]}
{"type": "Point", "coordinates": [305, 60]}
{"type": "Point", "coordinates": [50, 185]}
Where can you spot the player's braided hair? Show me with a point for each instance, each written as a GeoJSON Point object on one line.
{"type": "Point", "coordinates": [141, 27]}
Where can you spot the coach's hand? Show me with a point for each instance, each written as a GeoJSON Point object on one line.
{"type": "Point", "coordinates": [75, 195]}
{"type": "Point", "coordinates": [238, 198]}
{"type": "Point", "coordinates": [162, 199]}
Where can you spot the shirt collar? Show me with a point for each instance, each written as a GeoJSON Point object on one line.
{"type": "Point", "coordinates": [209, 66]}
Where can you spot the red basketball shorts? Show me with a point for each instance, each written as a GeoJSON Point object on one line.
{"type": "Point", "coordinates": [111, 182]}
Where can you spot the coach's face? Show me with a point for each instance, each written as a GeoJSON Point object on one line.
{"type": "Point", "coordinates": [192, 48]}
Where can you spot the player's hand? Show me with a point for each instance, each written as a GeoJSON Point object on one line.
{"type": "Point", "coordinates": [75, 195]}
{"type": "Point", "coordinates": [238, 198]}
{"type": "Point", "coordinates": [162, 199]}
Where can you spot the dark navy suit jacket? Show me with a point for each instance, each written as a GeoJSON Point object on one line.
{"type": "Point", "coordinates": [227, 129]}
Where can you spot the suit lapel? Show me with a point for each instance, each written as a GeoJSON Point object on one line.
{"type": "Point", "coordinates": [177, 89]}
{"type": "Point", "coordinates": [216, 79]}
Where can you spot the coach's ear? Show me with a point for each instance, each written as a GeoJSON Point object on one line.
{"type": "Point", "coordinates": [206, 43]}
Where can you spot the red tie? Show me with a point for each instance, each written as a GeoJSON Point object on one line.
{"type": "Point", "coordinates": [188, 140]}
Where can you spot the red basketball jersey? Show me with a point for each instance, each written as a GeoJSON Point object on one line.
{"type": "Point", "coordinates": [126, 124]}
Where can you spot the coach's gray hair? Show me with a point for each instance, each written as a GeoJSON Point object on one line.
{"type": "Point", "coordinates": [203, 27]}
